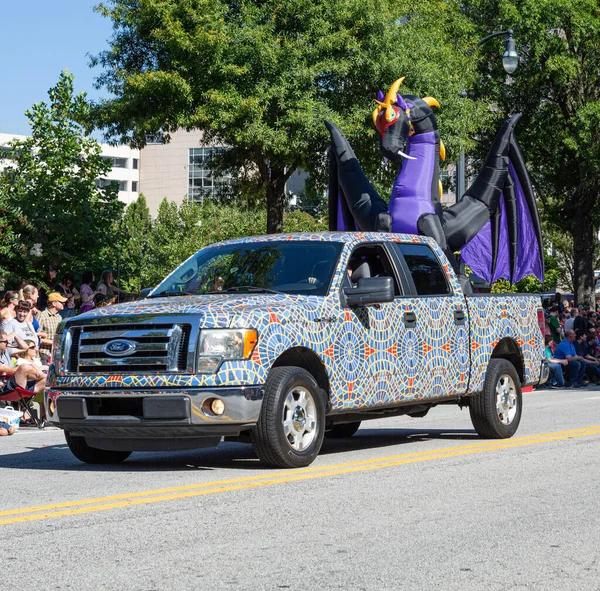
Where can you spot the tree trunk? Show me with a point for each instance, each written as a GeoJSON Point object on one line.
{"type": "Point", "coordinates": [584, 243]}
{"type": "Point", "coordinates": [275, 200]}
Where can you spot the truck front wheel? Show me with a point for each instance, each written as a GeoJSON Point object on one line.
{"type": "Point", "coordinates": [92, 455]}
{"type": "Point", "coordinates": [290, 428]}
{"type": "Point", "coordinates": [496, 411]}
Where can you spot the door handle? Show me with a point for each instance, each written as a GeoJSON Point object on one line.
{"type": "Point", "coordinates": [410, 319]}
{"type": "Point", "coordinates": [459, 317]}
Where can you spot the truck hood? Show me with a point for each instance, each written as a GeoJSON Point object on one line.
{"type": "Point", "coordinates": [223, 307]}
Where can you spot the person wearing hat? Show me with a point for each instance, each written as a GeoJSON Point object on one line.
{"type": "Point", "coordinates": [49, 320]}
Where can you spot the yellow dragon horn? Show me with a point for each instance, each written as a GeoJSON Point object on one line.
{"type": "Point", "coordinates": [431, 101]}
{"type": "Point", "coordinates": [390, 97]}
{"type": "Point", "coordinates": [376, 112]}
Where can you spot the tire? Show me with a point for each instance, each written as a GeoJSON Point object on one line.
{"type": "Point", "coordinates": [496, 411]}
{"type": "Point", "coordinates": [290, 428]}
{"type": "Point", "coordinates": [92, 455]}
{"type": "Point", "coordinates": [343, 430]}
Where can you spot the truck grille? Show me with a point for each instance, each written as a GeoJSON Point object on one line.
{"type": "Point", "coordinates": [147, 348]}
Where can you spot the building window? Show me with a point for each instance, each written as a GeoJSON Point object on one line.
{"type": "Point", "coordinates": [116, 162]}
{"type": "Point", "coordinates": [135, 163]}
{"type": "Point", "coordinates": [100, 183]}
{"type": "Point", "coordinates": [201, 180]}
{"type": "Point", "coordinates": [134, 186]}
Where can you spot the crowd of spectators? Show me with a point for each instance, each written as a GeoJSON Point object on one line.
{"type": "Point", "coordinates": [572, 339]}
{"type": "Point", "coordinates": [30, 317]}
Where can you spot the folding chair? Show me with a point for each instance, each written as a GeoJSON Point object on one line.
{"type": "Point", "coordinates": [24, 398]}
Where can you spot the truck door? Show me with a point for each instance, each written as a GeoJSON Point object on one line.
{"type": "Point", "coordinates": [363, 351]}
{"type": "Point", "coordinates": [436, 320]}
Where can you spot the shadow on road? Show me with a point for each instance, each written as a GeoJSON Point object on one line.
{"type": "Point", "coordinates": [228, 455]}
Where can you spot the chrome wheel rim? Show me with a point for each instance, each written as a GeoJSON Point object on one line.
{"type": "Point", "coordinates": [506, 399]}
{"type": "Point", "coordinates": [299, 418]}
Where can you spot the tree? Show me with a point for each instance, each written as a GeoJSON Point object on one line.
{"type": "Point", "coordinates": [134, 236]}
{"type": "Point", "coordinates": [261, 78]}
{"type": "Point", "coordinates": [556, 88]}
{"type": "Point", "coordinates": [51, 177]}
{"type": "Point", "coordinates": [13, 251]}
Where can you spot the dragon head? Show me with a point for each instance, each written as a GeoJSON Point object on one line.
{"type": "Point", "coordinates": [397, 117]}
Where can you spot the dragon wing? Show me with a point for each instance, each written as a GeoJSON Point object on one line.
{"type": "Point", "coordinates": [509, 246]}
{"type": "Point", "coordinates": [354, 204]}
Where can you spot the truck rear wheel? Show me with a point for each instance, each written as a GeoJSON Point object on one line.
{"type": "Point", "coordinates": [343, 430]}
{"type": "Point", "coordinates": [496, 411]}
{"type": "Point", "coordinates": [290, 428]}
{"type": "Point", "coordinates": [92, 455]}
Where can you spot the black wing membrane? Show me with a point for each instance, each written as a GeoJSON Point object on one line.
{"type": "Point", "coordinates": [354, 204]}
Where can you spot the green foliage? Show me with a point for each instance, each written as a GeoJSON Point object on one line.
{"type": "Point", "coordinates": [177, 232]}
{"type": "Point", "coordinates": [134, 237]}
{"type": "Point", "coordinates": [261, 77]}
{"type": "Point", "coordinates": [49, 187]}
{"type": "Point", "coordinates": [556, 89]}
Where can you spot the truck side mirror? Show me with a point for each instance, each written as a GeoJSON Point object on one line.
{"type": "Point", "coordinates": [144, 293]}
{"type": "Point", "coordinates": [370, 290]}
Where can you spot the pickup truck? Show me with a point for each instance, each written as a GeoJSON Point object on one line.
{"type": "Point", "coordinates": [282, 340]}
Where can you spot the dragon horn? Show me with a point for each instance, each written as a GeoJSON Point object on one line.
{"type": "Point", "coordinates": [376, 112]}
{"type": "Point", "coordinates": [390, 97]}
{"type": "Point", "coordinates": [431, 101]}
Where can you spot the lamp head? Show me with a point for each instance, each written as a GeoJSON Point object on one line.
{"type": "Point", "coordinates": [510, 58]}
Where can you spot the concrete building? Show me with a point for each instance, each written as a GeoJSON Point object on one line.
{"type": "Point", "coordinates": [178, 170]}
{"type": "Point", "coordinates": [125, 166]}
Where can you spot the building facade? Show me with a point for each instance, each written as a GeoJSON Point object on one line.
{"type": "Point", "coordinates": [125, 163]}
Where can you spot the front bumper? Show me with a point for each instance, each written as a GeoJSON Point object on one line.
{"type": "Point", "coordinates": [154, 415]}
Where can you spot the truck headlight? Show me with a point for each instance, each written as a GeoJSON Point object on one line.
{"type": "Point", "coordinates": [219, 344]}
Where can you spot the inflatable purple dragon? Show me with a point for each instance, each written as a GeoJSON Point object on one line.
{"type": "Point", "coordinates": [495, 225]}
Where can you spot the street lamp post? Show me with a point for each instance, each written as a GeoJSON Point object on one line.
{"type": "Point", "coordinates": [510, 61]}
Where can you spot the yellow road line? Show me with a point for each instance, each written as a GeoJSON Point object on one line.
{"type": "Point", "coordinates": [262, 480]}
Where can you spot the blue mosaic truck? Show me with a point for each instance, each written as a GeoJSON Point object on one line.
{"type": "Point", "coordinates": [283, 340]}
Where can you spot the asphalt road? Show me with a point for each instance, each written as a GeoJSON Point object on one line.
{"type": "Point", "coordinates": [404, 504]}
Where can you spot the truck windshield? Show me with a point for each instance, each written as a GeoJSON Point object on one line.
{"type": "Point", "coordinates": [292, 267]}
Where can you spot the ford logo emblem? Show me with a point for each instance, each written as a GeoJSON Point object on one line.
{"type": "Point", "coordinates": [119, 348]}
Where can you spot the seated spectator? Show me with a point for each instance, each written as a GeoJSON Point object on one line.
{"type": "Point", "coordinates": [31, 357]}
{"type": "Point", "coordinates": [592, 366]}
{"type": "Point", "coordinates": [49, 320]}
{"type": "Point", "coordinates": [575, 369]}
{"type": "Point", "coordinates": [67, 289]}
{"type": "Point", "coordinates": [106, 287]}
{"type": "Point", "coordinates": [556, 365]}
{"type": "Point", "coordinates": [27, 376]}
{"type": "Point", "coordinates": [8, 307]}
{"type": "Point", "coordinates": [87, 292]}
{"type": "Point", "coordinates": [20, 326]}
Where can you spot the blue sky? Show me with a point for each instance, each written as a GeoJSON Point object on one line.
{"type": "Point", "coordinates": [40, 38]}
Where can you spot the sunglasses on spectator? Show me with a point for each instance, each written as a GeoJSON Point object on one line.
{"type": "Point", "coordinates": [32, 347]}
{"type": "Point", "coordinates": [3, 340]}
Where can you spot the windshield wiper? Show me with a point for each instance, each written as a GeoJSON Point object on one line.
{"type": "Point", "coordinates": [250, 288]}
{"type": "Point", "coordinates": [167, 294]}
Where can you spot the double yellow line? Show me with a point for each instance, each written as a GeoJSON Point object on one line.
{"type": "Point", "coordinates": [160, 495]}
